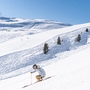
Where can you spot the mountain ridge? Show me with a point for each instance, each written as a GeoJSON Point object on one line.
{"type": "Point", "coordinates": [30, 24]}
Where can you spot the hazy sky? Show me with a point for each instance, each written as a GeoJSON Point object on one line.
{"type": "Point", "coordinates": [68, 11]}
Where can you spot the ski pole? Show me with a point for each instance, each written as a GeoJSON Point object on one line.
{"type": "Point", "coordinates": [31, 76]}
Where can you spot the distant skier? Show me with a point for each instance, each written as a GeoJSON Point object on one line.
{"type": "Point", "coordinates": [41, 72]}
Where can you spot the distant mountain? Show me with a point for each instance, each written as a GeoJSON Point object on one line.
{"type": "Point", "coordinates": [16, 27]}
{"type": "Point", "coordinates": [21, 23]}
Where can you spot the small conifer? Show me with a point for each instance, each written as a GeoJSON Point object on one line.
{"type": "Point", "coordinates": [79, 38]}
{"type": "Point", "coordinates": [58, 41]}
{"type": "Point", "coordinates": [45, 49]}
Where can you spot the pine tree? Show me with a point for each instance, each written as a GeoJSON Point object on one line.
{"type": "Point", "coordinates": [79, 38]}
{"type": "Point", "coordinates": [86, 29]}
{"type": "Point", "coordinates": [45, 49]}
{"type": "Point", "coordinates": [58, 41]}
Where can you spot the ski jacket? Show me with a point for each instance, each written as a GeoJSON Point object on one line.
{"type": "Point", "coordinates": [40, 71]}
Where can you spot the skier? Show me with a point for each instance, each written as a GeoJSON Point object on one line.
{"type": "Point", "coordinates": [41, 72]}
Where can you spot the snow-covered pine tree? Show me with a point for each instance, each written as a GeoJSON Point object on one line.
{"type": "Point", "coordinates": [58, 41]}
{"type": "Point", "coordinates": [79, 38]}
{"type": "Point", "coordinates": [86, 29]}
{"type": "Point", "coordinates": [45, 49]}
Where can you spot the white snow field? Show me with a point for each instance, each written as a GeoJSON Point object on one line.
{"type": "Point", "coordinates": [22, 46]}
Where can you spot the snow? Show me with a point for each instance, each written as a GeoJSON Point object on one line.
{"type": "Point", "coordinates": [68, 63]}
{"type": "Point", "coordinates": [69, 73]}
{"type": "Point", "coordinates": [14, 45]}
{"type": "Point", "coordinates": [18, 27]}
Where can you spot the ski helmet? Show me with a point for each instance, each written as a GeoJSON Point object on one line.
{"type": "Point", "coordinates": [34, 66]}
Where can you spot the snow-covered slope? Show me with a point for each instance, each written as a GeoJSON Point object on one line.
{"type": "Point", "coordinates": [16, 27]}
{"type": "Point", "coordinates": [29, 48]}
{"type": "Point", "coordinates": [68, 63]}
{"type": "Point", "coordinates": [71, 73]}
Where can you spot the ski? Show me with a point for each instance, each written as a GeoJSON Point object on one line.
{"type": "Point", "coordinates": [37, 82]}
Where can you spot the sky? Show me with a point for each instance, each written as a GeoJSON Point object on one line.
{"type": "Point", "coordinates": [67, 11]}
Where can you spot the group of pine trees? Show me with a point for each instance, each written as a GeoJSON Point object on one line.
{"type": "Point", "coordinates": [46, 48]}
{"type": "Point", "coordinates": [79, 36]}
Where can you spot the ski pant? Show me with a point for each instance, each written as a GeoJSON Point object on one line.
{"type": "Point", "coordinates": [39, 78]}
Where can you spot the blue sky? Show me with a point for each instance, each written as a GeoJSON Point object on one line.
{"type": "Point", "coordinates": [68, 11]}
